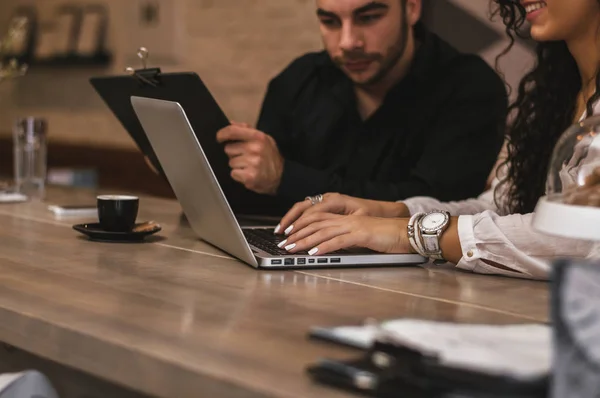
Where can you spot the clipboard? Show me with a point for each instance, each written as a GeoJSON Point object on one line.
{"type": "Point", "coordinates": [205, 116]}
{"type": "Point", "coordinates": [387, 371]}
{"type": "Point", "coordinates": [392, 367]}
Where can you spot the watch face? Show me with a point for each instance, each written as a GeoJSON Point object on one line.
{"type": "Point", "coordinates": [433, 221]}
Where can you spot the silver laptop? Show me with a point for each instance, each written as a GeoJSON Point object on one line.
{"type": "Point", "coordinates": [207, 209]}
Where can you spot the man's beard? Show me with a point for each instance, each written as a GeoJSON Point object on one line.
{"type": "Point", "coordinates": [395, 53]}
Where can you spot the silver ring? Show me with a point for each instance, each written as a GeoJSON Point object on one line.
{"type": "Point", "coordinates": [315, 199]}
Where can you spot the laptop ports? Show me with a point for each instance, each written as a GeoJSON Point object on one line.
{"type": "Point", "coordinates": [301, 261]}
{"type": "Point", "coordinates": [289, 261]}
{"type": "Point", "coordinates": [336, 260]}
{"type": "Point", "coordinates": [322, 261]}
{"type": "Point", "coordinates": [275, 262]}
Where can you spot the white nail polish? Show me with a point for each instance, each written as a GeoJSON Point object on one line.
{"type": "Point", "coordinates": [289, 229]}
{"type": "Point", "coordinates": [290, 247]}
{"type": "Point", "coordinates": [283, 242]}
{"type": "Point", "coordinates": [277, 228]}
{"type": "Point", "coordinates": [313, 251]}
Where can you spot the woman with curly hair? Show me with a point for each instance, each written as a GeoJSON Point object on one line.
{"type": "Point", "coordinates": [492, 233]}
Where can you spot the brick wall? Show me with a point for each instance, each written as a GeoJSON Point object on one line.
{"type": "Point", "coordinates": [235, 45]}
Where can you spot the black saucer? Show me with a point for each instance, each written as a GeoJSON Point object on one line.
{"type": "Point", "coordinates": [139, 232]}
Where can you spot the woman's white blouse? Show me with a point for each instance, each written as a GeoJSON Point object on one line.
{"type": "Point", "coordinates": [497, 243]}
{"type": "Point", "coordinates": [493, 243]}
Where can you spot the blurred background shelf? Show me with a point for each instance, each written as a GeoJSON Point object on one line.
{"type": "Point", "coordinates": [96, 60]}
{"type": "Point", "coordinates": [103, 59]}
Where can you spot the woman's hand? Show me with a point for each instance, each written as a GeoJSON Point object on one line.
{"type": "Point", "coordinates": [330, 232]}
{"type": "Point", "coordinates": [303, 213]}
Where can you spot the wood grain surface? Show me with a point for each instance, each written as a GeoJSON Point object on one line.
{"type": "Point", "coordinates": [174, 316]}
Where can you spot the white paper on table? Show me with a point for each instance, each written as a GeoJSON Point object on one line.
{"type": "Point", "coordinates": [518, 351]}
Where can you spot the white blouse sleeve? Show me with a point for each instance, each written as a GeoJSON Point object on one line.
{"type": "Point", "coordinates": [508, 245]}
{"type": "Point", "coordinates": [493, 243]}
{"type": "Point", "coordinates": [470, 206]}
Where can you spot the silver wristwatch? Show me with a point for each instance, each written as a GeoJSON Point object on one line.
{"type": "Point", "coordinates": [431, 227]}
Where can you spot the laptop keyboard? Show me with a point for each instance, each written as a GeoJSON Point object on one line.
{"type": "Point", "coordinates": [265, 239]}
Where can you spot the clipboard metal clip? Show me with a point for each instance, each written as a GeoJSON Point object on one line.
{"type": "Point", "coordinates": [145, 75]}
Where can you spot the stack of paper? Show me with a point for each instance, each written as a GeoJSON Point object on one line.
{"type": "Point", "coordinates": [518, 351]}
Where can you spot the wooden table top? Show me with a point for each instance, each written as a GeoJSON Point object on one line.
{"type": "Point", "coordinates": [175, 316]}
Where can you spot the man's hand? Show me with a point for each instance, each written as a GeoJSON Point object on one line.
{"type": "Point", "coordinates": [254, 158]}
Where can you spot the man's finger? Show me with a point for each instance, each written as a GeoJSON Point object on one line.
{"type": "Point", "coordinates": [235, 149]}
{"type": "Point", "coordinates": [238, 162]}
{"type": "Point", "coordinates": [246, 177]}
{"type": "Point", "coordinates": [250, 162]}
{"type": "Point", "coordinates": [237, 133]}
{"type": "Point", "coordinates": [239, 175]}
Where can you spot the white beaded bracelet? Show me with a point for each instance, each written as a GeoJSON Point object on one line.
{"type": "Point", "coordinates": [413, 234]}
{"type": "Point", "coordinates": [419, 239]}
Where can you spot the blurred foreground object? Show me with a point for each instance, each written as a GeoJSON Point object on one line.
{"type": "Point", "coordinates": [571, 207]}
{"type": "Point", "coordinates": [576, 337]}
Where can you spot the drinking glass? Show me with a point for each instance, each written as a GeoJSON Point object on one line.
{"type": "Point", "coordinates": [29, 140]}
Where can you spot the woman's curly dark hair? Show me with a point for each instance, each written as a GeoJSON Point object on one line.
{"type": "Point", "coordinates": [544, 108]}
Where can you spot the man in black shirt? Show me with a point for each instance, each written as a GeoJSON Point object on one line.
{"type": "Point", "coordinates": [388, 111]}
